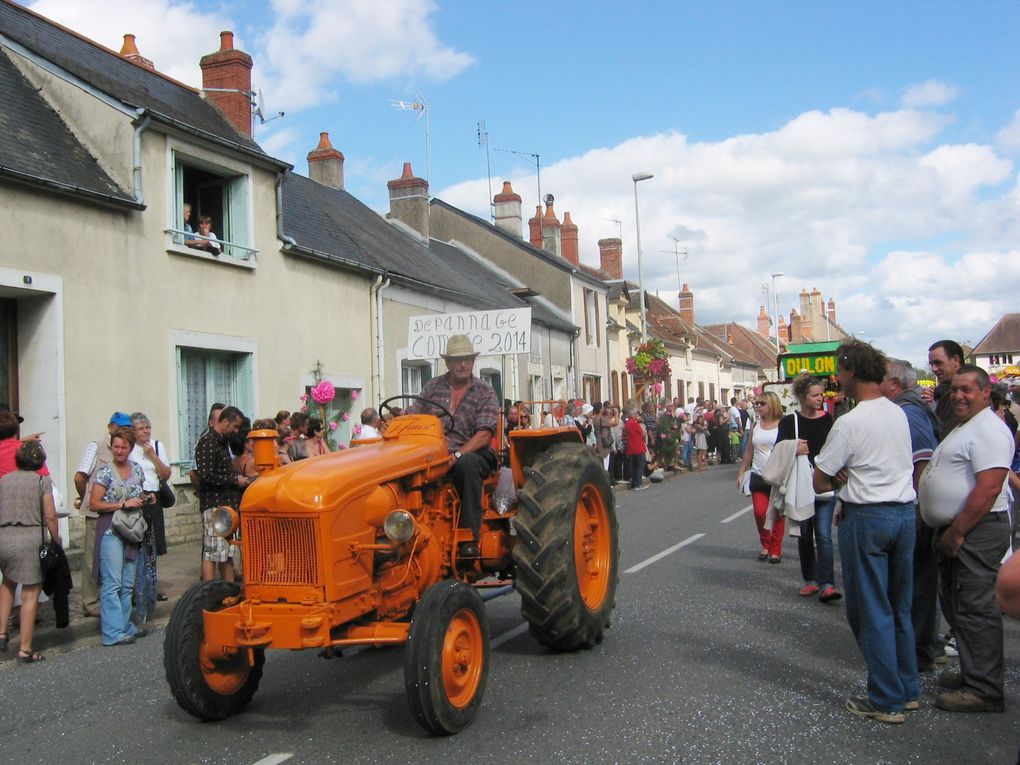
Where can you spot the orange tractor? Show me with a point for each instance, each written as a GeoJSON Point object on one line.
{"type": "Point", "coordinates": [360, 548]}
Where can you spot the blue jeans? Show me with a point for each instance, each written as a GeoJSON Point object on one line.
{"type": "Point", "coordinates": [876, 544]}
{"type": "Point", "coordinates": [637, 469]}
{"type": "Point", "coordinates": [116, 581]}
{"type": "Point", "coordinates": [689, 452]}
{"type": "Point", "coordinates": [815, 545]}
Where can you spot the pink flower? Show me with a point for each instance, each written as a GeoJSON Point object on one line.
{"type": "Point", "coordinates": [341, 446]}
{"type": "Point", "coordinates": [357, 429]}
{"type": "Point", "coordinates": [324, 392]}
{"type": "Point", "coordinates": [354, 394]}
{"type": "Point", "coordinates": [332, 426]}
{"type": "Point", "coordinates": [345, 416]}
{"type": "Point", "coordinates": [304, 409]}
{"type": "Point", "coordinates": [303, 397]}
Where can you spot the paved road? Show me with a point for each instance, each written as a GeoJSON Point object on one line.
{"type": "Point", "coordinates": [712, 658]}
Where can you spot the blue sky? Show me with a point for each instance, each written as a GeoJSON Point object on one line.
{"type": "Point", "coordinates": [866, 149]}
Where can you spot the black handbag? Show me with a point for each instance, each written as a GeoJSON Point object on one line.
{"type": "Point", "coordinates": [167, 496]}
{"type": "Point", "coordinates": [49, 555]}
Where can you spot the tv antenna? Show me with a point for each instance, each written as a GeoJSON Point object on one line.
{"type": "Point", "coordinates": [483, 140]}
{"type": "Point", "coordinates": [619, 226]}
{"type": "Point", "coordinates": [420, 106]}
{"type": "Point", "coordinates": [538, 166]}
{"type": "Point", "coordinates": [259, 104]}
{"type": "Point", "coordinates": [677, 252]}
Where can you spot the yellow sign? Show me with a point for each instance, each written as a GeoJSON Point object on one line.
{"type": "Point", "coordinates": [821, 366]}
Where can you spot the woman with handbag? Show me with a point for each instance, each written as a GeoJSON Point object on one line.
{"type": "Point", "coordinates": [154, 460]}
{"type": "Point", "coordinates": [26, 512]}
{"type": "Point", "coordinates": [810, 426]}
{"type": "Point", "coordinates": [117, 489]}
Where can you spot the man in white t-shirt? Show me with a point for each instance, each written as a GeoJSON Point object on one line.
{"type": "Point", "coordinates": [963, 497]}
{"type": "Point", "coordinates": [867, 457]}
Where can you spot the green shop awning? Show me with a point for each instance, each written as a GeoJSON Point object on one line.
{"type": "Point", "coordinates": [818, 359]}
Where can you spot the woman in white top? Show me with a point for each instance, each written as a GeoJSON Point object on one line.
{"type": "Point", "coordinates": [763, 438]}
{"type": "Point", "coordinates": [152, 457]}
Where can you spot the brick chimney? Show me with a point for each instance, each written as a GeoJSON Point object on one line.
{"type": "Point", "coordinates": [550, 228]}
{"type": "Point", "coordinates": [795, 327]}
{"type": "Point", "coordinates": [783, 331]}
{"type": "Point", "coordinates": [611, 257]}
{"type": "Point", "coordinates": [568, 240]}
{"type": "Point", "coordinates": [326, 164]}
{"type": "Point", "coordinates": [687, 304]}
{"type": "Point", "coordinates": [226, 81]}
{"type": "Point", "coordinates": [832, 310]}
{"type": "Point", "coordinates": [507, 210]}
{"type": "Point", "coordinates": [764, 323]}
{"type": "Point", "coordinates": [535, 228]}
{"type": "Point", "coordinates": [409, 201]}
{"type": "Point", "coordinates": [130, 51]}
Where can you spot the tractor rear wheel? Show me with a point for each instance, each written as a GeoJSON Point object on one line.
{"type": "Point", "coordinates": [567, 551]}
{"type": "Point", "coordinates": [211, 682]}
{"type": "Point", "coordinates": [447, 658]}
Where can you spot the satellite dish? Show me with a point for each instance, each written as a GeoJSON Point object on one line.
{"type": "Point", "coordinates": [260, 109]}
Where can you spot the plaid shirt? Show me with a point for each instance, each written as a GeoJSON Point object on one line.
{"type": "Point", "coordinates": [478, 410]}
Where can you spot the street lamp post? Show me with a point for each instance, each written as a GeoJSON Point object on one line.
{"type": "Point", "coordinates": [775, 306]}
{"type": "Point", "coordinates": [637, 177]}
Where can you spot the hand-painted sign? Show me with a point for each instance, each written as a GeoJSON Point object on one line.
{"type": "Point", "coordinates": [493, 333]}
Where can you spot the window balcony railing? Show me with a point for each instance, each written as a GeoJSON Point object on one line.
{"type": "Point", "coordinates": [230, 249]}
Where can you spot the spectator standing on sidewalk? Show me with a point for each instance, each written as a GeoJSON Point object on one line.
{"type": "Point", "coordinates": [944, 358]}
{"type": "Point", "coordinates": [867, 456]}
{"type": "Point", "coordinates": [963, 497]}
{"type": "Point", "coordinates": [763, 437]}
{"type": "Point", "coordinates": [636, 439]}
{"type": "Point", "coordinates": [96, 454]}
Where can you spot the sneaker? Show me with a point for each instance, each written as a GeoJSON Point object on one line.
{"type": "Point", "coordinates": [951, 646]}
{"type": "Point", "coordinates": [912, 706]}
{"type": "Point", "coordinates": [942, 658]}
{"type": "Point", "coordinates": [829, 594]}
{"type": "Point", "coordinates": [951, 679]}
{"type": "Point", "coordinates": [642, 487]}
{"type": "Point", "coordinates": [808, 590]}
{"type": "Point", "coordinates": [962, 700]}
{"type": "Point", "coordinates": [863, 708]}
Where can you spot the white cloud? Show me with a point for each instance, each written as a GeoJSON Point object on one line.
{"type": "Point", "coordinates": [313, 44]}
{"type": "Point", "coordinates": [843, 201]}
{"type": "Point", "coordinates": [1008, 139]}
{"type": "Point", "coordinates": [928, 93]}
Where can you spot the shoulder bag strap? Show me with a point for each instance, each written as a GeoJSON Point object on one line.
{"type": "Point", "coordinates": [42, 514]}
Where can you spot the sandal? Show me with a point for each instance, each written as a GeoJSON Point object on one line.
{"type": "Point", "coordinates": [4, 641]}
{"type": "Point", "coordinates": [25, 657]}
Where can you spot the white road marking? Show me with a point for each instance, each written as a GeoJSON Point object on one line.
{"type": "Point", "coordinates": [275, 759]}
{"type": "Point", "coordinates": [737, 514]}
{"type": "Point", "coordinates": [663, 554]}
{"type": "Point", "coordinates": [509, 635]}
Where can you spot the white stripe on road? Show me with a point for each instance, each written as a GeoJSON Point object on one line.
{"type": "Point", "coordinates": [509, 635]}
{"type": "Point", "coordinates": [737, 514]}
{"type": "Point", "coordinates": [275, 759]}
{"type": "Point", "coordinates": [663, 554]}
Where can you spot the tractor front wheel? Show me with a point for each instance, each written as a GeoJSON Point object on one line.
{"type": "Point", "coordinates": [566, 552]}
{"type": "Point", "coordinates": [447, 658]}
{"type": "Point", "coordinates": [211, 682]}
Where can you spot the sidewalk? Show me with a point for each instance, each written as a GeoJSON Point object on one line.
{"type": "Point", "coordinates": [177, 571]}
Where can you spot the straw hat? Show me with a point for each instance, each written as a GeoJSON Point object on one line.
{"type": "Point", "coordinates": [459, 347]}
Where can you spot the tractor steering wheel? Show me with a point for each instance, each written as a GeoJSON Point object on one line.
{"type": "Point", "coordinates": [406, 396]}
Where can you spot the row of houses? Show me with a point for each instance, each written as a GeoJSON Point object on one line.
{"type": "Point", "coordinates": [104, 307]}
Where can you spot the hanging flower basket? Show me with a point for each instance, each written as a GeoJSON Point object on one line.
{"type": "Point", "coordinates": [650, 361]}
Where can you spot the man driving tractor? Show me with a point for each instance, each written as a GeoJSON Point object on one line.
{"type": "Point", "coordinates": [475, 409]}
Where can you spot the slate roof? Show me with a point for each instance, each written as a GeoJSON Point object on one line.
{"type": "Point", "coordinates": [528, 247]}
{"type": "Point", "coordinates": [129, 83]}
{"type": "Point", "coordinates": [39, 149]}
{"type": "Point", "coordinates": [1004, 337]}
{"type": "Point", "coordinates": [333, 226]}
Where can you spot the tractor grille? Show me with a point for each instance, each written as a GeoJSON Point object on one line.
{"type": "Point", "coordinates": [281, 551]}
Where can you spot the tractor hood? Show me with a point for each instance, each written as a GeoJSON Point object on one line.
{"type": "Point", "coordinates": [411, 444]}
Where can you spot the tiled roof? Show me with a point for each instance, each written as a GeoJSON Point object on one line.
{"type": "Point", "coordinates": [39, 149]}
{"type": "Point", "coordinates": [1004, 337]}
{"type": "Point", "coordinates": [333, 226]}
{"type": "Point", "coordinates": [666, 318]}
{"type": "Point", "coordinates": [106, 71]}
{"type": "Point", "coordinates": [750, 343]}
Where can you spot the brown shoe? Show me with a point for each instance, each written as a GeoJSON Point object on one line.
{"type": "Point", "coordinates": [951, 679]}
{"type": "Point", "coordinates": [962, 700]}
{"type": "Point", "coordinates": [92, 613]}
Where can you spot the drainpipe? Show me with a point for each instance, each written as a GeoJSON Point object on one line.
{"type": "Point", "coordinates": [287, 241]}
{"type": "Point", "coordinates": [375, 295]}
{"type": "Point", "coordinates": [137, 155]}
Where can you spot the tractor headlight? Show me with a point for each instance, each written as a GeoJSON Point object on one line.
{"type": "Point", "coordinates": [399, 526]}
{"type": "Point", "coordinates": [224, 521]}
